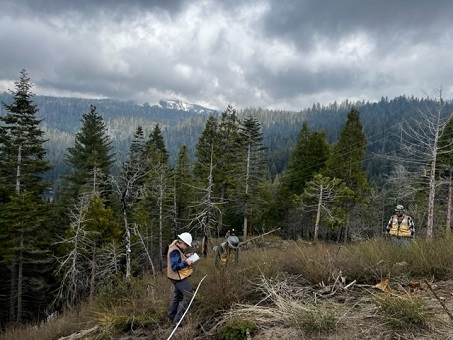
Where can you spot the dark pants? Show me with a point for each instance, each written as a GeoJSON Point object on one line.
{"type": "Point", "coordinates": [401, 241]}
{"type": "Point", "coordinates": [181, 298]}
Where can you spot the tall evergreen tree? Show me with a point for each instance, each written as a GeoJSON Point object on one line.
{"type": "Point", "coordinates": [229, 159]}
{"type": "Point", "coordinates": [159, 195]}
{"type": "Point", "coordinates": [90, 158]}
{"type": "Point", "coordinates": [184, 190]}
{"type": "Point", "coordinates": [346, 163]}
{"type": "Point", "coordinates": [24, 240]}
{"type": "Point", "coordinates": [23, 162]}
{"type": "Point", "coordinates": [207, 150]}
{"type": "Point", "coordinates": [252, 172]}
{"type": "Point", "coordinates": [308, 157]}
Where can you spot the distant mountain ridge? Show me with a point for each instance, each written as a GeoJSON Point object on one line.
{"type": "Point", "coordinates": [182, 124]}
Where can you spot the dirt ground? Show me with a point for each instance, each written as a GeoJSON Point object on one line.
{"type": "Point", "coordinates": [359, 318]}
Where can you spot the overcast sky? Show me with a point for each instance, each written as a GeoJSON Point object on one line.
{"type": "Point", "coordinates": [279, 54]}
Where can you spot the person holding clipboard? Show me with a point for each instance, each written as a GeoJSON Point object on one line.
{"type": "Point", "coordinates": [179, 269]}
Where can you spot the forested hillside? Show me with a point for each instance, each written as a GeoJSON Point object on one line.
{"type": "Point", "coordinates": [381, 121]}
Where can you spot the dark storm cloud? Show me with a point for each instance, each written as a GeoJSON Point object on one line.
{"type": "Point", "coordinates": [283, 54]}
{"type": "Point", "coordinates": [89, 7]}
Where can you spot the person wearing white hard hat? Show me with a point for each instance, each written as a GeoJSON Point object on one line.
{"type": "Point", "coordinates": [179, 268]}
{"type": "Point", "coordinates": [400, 227]}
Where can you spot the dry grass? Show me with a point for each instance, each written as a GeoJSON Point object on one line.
{"type": "Point", "coordinates": [63, 325]}
{"type": "Point", "coordinates": [295, 288]}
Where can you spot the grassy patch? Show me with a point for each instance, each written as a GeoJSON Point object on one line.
{"type": "Point", "coordinates": [403, 312]}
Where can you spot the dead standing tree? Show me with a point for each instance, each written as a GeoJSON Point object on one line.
{"type": "Point", "coordinates": [420, 138]}
{"type": "Point", "coordinates": [73, 267]}
{"type": "Point", "coordinates": [207, 213]}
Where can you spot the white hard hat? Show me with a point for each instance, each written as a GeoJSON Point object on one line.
{"type": "Point", "coordinates": [186, 238]}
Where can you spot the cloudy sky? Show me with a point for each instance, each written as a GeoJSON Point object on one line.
{"type": "Point", "coordinates": [279, 54]}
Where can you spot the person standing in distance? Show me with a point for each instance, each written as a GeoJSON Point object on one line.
{"type": "Point", "coordinates": [400, 227]}
{"type": "Point", "coordinates": [179, 269]}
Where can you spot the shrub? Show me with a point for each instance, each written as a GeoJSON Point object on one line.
{"type": "Point", "coordinates": [237, 329]}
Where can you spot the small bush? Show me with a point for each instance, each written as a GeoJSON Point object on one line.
{"type": "Point", "coordinates": [403, 312]}
{"type": "Point", "coordinates": [317, 320]}
{"type": "Point", "coordinates": [237, 330]}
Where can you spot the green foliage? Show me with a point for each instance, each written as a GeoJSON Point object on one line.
{"type": "Point", "coordinates": [403, 312]}
{"type": "Point", "coordinates": [90, 159]}
{"type": "Point", "coordinates": [237, 329]}
{"type": "Point", "coordinates": [307, 158]}
{"type": "Point", "coordinates": [22, 161]}
{"type": "Point", "coordinates": [26, 237]}
{"type": "Point", "coordinates": [348, 154]}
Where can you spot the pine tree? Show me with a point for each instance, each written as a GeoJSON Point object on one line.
{"type": "Point", "coordinates": [90, 158]}
{"type": "Point", "coordinates": [24, 240]}
{"type": "Point", "coordinates": [253, 172]}
{"type": "Point", "coordinates": [22, 144]}
{"type": "Point", "coordinates": [229, 159]}
{"type": "Point", "coordinates": [207, 212]}
{"type": "Point", "coordinates": [308, 157]}
{"type": "Point", "coordinates": [346, 163]}
{"type": "Point", "coordinates": [207, 149]}
{"type": "Point", "coordinates": [184, 190]}
{"type": "Point", "coordinates": [159, 195]}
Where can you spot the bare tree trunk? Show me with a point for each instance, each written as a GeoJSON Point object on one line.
{"type": "Point", "coordinates": [128, 245]}
{"type": "Point", "coordinates": [432, 192]}
{"type": "Point", "coordinates": [318, 214]}
{"type": "Point", "coordinates": [220, 221]}
{"type": "Point", "coordinates": [13, 291]}
{"type": "Point", "coordinates": [340, 230]}
{"type": "Point", "coordinates": [18, 170]}
{"type": "Point", "coordinates": [20, 279]}
{"type": "Point", "coordinates": [247, 175]}
{"type": "Point", "coordinates": [346, 228]}
{"type": "Point", "coordinates": [449, 202]}
{"type": "Point", "coordinates": [93, 272]}
{"type": "Point", "coordinates": [148, 255]}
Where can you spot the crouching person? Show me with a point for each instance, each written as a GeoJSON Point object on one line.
{"type": "Point", "coordinates": [227, 252]}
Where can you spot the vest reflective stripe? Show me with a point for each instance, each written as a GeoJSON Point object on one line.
{"type": "Point", "coordinates": [402, 229]}
{"type": "Point", "coordinates": [182, 273]}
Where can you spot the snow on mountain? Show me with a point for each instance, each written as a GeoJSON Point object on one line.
{"type": "Point", "coordinates": [177, 105]}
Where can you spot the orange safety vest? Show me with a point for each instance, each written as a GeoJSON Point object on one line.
{"type": "Point", "coordinates": [402, 229]}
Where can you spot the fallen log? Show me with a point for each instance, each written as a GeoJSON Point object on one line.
{"type": "Point", "coordinates": [80, 334]}
{"type": "Point", "coordinates": [257, 237]}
